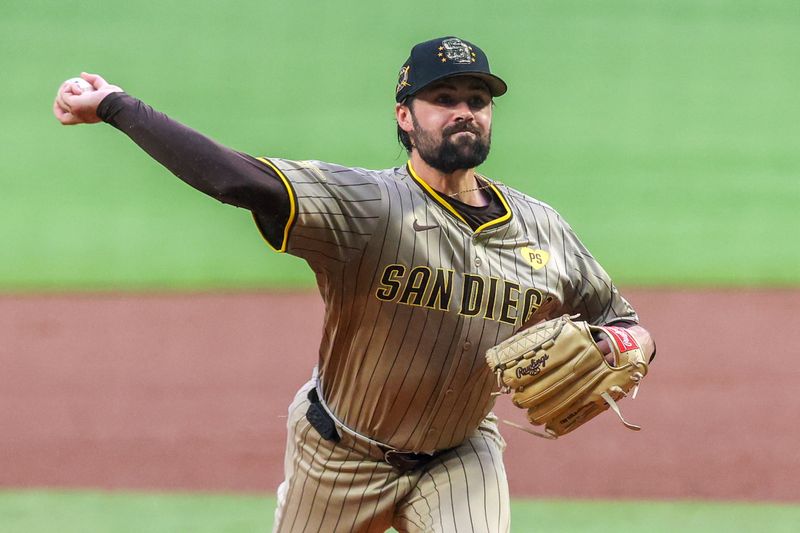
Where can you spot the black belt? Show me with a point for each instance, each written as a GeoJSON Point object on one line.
{"type": "Point", "coordinates": [326, 427]}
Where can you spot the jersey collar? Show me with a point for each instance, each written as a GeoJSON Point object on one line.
{"type": "Point", "coordinates": [449, 208]}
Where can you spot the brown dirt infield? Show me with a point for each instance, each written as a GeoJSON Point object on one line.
{"type": "Point", "coordinates": [190, 392]}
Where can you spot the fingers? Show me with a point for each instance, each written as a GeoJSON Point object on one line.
{"type": "Point", "coordinates": [60, 106]}
{"type": "Point", "coordinates": [96, 80]}
{"type": "Point", "coordinates": [63, 116]}
{"type": "Point", "coordinates": [78, 105]}
{"type": "Point", "coordinates": [605, 349]}
{"type": "Point", "coordinates": [64, 103]}
{"type": "Point", "coordinates": [62, 96]}
{"type": "Point", "coordinates": [57, 110]}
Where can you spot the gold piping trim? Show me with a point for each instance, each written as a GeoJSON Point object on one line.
{"type": "Point", "coordinates": [503, 218]}
{"type": "Point", "coordinates": [292, 207]}
{"type": "Point", "coordinates": [444, 203]}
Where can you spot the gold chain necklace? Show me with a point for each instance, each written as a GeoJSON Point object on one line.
{"type": "Point", "coordinates": [482, 187]}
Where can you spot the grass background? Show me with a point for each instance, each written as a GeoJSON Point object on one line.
{"type": "Point", "coordinates": [666, 132]}
{"type": "Point", "coordinates": [99, 512]}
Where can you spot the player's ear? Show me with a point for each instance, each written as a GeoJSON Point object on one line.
{"type": "Point", "coordinates": [403, 114]}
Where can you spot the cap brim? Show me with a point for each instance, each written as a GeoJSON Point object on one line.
{"type": "Point", "coordinates": [497, 87]}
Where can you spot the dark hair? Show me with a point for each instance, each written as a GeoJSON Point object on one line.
{"type": "Point", "coordinates": [402, 135]}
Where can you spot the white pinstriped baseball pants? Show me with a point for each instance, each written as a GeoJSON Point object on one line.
{"type": "Point", "coordinates": [345, 487]}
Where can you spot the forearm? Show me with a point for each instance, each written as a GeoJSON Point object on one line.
{"type": "Point", "coordinates": [218, 171]}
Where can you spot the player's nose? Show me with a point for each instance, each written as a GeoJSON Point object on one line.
{"type": "Point", "coordinates": [463, 112]}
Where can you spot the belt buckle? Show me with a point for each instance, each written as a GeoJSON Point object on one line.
{"type": "Point", "coordinates": [404, 461]}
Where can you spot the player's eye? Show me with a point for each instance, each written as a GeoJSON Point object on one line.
{"type": "Point", "coordinates": [445, 99]}
{"type": "Point", "coordinates": [478, 102]}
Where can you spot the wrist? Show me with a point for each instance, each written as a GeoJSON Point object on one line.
{"type": "Point", "coordinates": [112, 103]}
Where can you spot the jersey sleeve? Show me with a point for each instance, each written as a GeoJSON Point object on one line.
{"type": "Point", "coordinates": [224, 174]}
{"type": "Point", "coordinates": [333, 210]}
{"type": "Point", "coordinates": [593, 293]}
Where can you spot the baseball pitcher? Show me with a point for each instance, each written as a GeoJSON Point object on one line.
{"type": "Point", "coordinates": [443, 288]}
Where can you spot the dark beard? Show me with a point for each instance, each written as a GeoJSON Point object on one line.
{"type": "Point", "coordinates": [450, 155]}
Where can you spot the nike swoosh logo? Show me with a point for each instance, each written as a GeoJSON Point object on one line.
{"type": "Point", "coordinates": [420, 227]}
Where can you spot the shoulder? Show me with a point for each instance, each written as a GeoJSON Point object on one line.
{"type": "Point", "coordinates": [329, 173]}
{"type": "Point", "coordinates": [525, 204]}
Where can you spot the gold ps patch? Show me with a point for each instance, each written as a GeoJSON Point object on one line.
{"type": "Point", "coordinates": [536, 258]}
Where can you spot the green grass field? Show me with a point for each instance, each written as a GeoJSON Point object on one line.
{"type": "Point", "coordinates": [665, 131]}
{"type": "Point", "coordinates": [101, 512]}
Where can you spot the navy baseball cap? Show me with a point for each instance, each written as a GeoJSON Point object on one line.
{"type": "Point", "coordinates": [442, 58]}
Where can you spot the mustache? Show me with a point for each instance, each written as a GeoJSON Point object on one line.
{"type": "Point", "coordinates": [462, 126]}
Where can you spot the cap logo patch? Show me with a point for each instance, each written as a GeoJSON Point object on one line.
{"type": "Point", "coordinates": [457, 51]}
{"type": "Point", "coordinates": [402, 80]}
{"type": "Point", "coordinates": [535, 258]}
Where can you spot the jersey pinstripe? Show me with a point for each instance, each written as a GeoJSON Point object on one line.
{"type": "Point", "coordinates": [346, 487]}
{"type": "Point", "coordinates": [414, 297]}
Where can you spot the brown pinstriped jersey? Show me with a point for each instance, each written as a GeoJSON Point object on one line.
{"type": "Point", "coordinates": [414, 297]}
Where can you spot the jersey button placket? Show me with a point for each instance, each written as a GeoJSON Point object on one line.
{"type": "Point", "coordinates": [478, 252]}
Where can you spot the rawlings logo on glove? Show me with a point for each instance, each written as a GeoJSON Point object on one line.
{"type": "Point", "coordinates": [558, 373]}
{"type": "Point", "coordinates": [534, 368]}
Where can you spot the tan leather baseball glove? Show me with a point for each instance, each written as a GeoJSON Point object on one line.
{"type": "Point", "coordinates": [557, 371]}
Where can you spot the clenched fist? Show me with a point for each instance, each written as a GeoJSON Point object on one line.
{"type": "Point", "coordinates": [73, 105]}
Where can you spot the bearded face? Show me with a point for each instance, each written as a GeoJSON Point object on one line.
{"type": "Point", "coordinates": [462, 145]}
